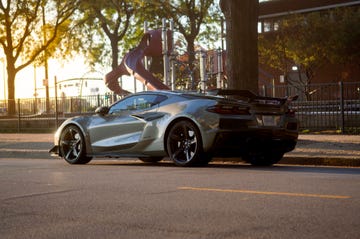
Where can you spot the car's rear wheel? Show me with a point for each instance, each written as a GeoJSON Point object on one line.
{"type": "Point", "coordinates": [72, 146]}
{"type": "Point", "coordinates": [263, 159]}
{"type": "Point", "coordinates": [184, 144]}
{"type": "Point", "coordinates": [151, 159]}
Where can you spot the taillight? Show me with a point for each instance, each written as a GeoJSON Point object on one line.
{"type": "Point", "coordinates": [229, 110]}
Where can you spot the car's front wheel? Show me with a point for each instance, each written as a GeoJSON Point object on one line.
{"type": "Point", "coordinates": [72, 146]}
{"type": "Point", "coordinates": [184, 145]}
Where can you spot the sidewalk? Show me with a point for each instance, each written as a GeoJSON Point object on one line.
{"type": "Point", "coordinates": [331, 150]}
{"type": "Point", "coordinates": [312, 149]}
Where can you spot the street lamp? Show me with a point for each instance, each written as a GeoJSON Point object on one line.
{"type": "Point", "coordinates": [294, 68]}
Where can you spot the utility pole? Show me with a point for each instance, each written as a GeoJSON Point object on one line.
{"type": "Point", "coordinates": [46, 80]}
{"type": "Point", "coordinates": [146, 63]}
{"type": "Point", "coordinates": [219, 69]}
{"type": "Point", "coordinates": [172, 57]}
{"type": "Point", "coordinates": [203, 75]}
{"type": "Point", "coordinates": [165, 51]}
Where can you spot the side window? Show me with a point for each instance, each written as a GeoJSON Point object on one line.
{"type": "Point", "coordinates": [138, 102]}
{"type": "Point", "coordinates": [123, 105]}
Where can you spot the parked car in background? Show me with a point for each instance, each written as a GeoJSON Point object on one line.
{"type": "Point", "coordinates": [189, 128]}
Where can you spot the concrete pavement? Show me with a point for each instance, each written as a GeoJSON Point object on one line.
{"type": "Point", "coordinates": [324, 149]}
{"type": "Point", "coordinates": [312, 149]}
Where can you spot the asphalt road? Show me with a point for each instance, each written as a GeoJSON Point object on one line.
{"type": "Point", "coordinates": [47, 198]}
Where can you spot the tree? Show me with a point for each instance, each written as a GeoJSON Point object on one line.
{"type": "Point", "coordinates": [105, 21]}
{"type": "Point", "coordinates": [22, 34]}
{"type": "Point", "coordinates": [311, 41]}
{"type": "Point", "coordinates": [115, 17]}
{"type": "Point", "coordinates": [241, 18]}
{"type": "Point", "coordinates": [346, 36]}
{"type": "Point", "coordinates": [189, 17]}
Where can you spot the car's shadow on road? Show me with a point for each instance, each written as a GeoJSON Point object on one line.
{"type": "Point", "coordinates": [230, 166]}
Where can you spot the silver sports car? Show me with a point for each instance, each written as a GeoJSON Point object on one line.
{"type": "Point", "coordinates": [189, 128]}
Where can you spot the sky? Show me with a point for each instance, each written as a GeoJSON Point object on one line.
{"type": "Point", "coordinates": [30, 78]}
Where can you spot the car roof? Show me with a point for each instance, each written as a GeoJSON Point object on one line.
{"type": "Point", "coordinates": [175, 93]}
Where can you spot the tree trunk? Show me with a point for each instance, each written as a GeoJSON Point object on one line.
{"type": "Point", "coordinates": [11, 89]}
{"type": "Point", "coordinates": [241, 18]}
{"type": "Point", "coordinates": [115, 52]}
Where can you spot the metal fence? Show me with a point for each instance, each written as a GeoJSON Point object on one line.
{"type": "Point", "coordinates": [333, 107]}
{"type": "Point", "coordinates": [38, 115]}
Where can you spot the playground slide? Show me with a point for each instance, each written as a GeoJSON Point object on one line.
{"type": "Point", "coordinates": [150, 45]}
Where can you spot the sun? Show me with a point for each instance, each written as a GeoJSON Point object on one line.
{"type": "Point", "coordinates": [30, 82]}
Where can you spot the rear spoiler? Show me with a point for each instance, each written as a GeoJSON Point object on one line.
{"type": "Point", "coordinates": [251, 96]}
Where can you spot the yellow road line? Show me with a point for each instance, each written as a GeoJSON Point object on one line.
{"type": "Point", "coordinates": [265, 193]}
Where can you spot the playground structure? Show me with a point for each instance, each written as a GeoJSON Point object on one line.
{"type": "Point", "coordinates": [157, 43]}
{"type": "Point", "coordinates": [150, 45]}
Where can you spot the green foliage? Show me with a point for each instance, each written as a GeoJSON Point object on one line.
{"type": "Point", "coordinates": [104, 26]}
{"type": "Point", "coordinates": [31, 31]}
{"type": "Point", "coordinates": [101, 30]}
{"type": "Point", "coordinates": [110, 28]}
{"type": "Point", "coordinates": [32, 27]}
{"type": "Point", "coordinates": [346, 41]}
{"type": "Point", "coordinates": [312, 40]}
{"type": "Point", "coordinates": [196, 20]}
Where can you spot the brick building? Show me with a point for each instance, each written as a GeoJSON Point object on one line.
{"type": "Point", "coordinates": [271, 12]}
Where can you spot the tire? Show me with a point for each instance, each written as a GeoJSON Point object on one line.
{"type": "Point", "coordinates": [72, 146]}
{"type": "Point", "coordinates": [151, 159]}
{"type": "Point", "coordinates": [263, 159]}
{"type": "Point", "coordinates": [184, 145]}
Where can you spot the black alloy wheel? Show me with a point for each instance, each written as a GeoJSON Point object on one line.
{"type": "Point", "coordinates": [184, 145]}
{"type": "Point", "coordinates": [72, 146]}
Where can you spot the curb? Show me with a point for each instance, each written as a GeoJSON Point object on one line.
{"type": "Point", "coordinates": [305, 160]}
{"type": "Point", "coordinates": [321, 161]}
{"type": "Point", "coordinates": [287, 160]}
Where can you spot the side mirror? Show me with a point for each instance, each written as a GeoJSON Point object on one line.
{"type": "Point", "coordinates": [102, 110]}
